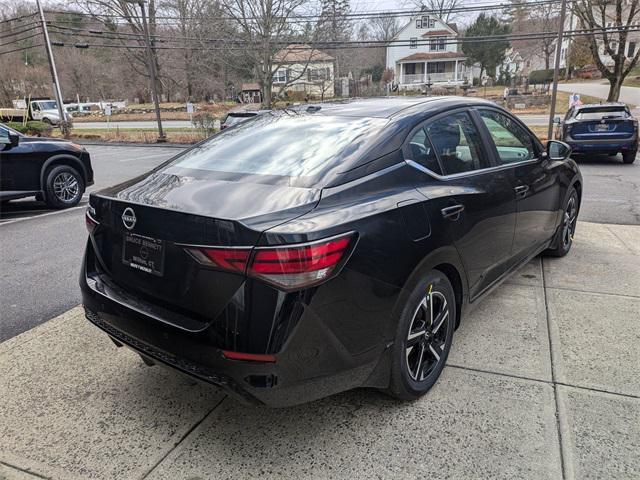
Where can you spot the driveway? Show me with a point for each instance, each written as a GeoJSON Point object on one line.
{"type": "Point", "coordinates": [628, 95]}
{"type": "Point", "coordinates": [541, 383]}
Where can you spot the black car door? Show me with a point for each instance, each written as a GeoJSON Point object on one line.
{"type": "Point", "coordinates": [473, 198]}
{"type": "Point", "coordinates": [534, 183]}
{"type": "Point", "coordinates": [20, 169]}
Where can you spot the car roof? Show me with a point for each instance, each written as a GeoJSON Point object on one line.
{"type": "Point", "coordinates": [387, 107]}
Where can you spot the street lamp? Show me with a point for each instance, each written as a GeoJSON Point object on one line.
{"type": "Point", "coordinates": [151, 64]}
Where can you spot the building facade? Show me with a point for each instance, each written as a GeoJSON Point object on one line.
{"type": "Point", "coordinates": [425, 51]}
{"type": "Point", "coordinates": [300, 68]}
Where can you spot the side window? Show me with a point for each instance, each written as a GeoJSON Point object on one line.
{"type": "Point", "coordinates": [422, 152]}
{"type": "Point", "coordinates": [457, 142]}
{"type": "Point", "coordinates": [513, 143]}
{"type": "Point", "coordinates": [4, 136]}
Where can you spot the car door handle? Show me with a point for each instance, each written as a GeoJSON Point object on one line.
{"type": "Point", "coordinates": [453, 212]}
{"type": "Point", "coordinates": [521, 190]}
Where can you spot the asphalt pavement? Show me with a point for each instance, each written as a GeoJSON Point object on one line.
{"type": "Point", "coordinates": [41, 250]}
{"type": "Point", "coordinates": [600, 89]}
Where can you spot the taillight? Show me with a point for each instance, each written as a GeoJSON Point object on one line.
{"type": "Point", "coordinates": [288, 267]}
{"type": "Point", "coordinates": [90, 221]}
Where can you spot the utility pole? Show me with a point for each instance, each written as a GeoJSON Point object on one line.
{"type": "Point", "coordinates": [556, 69]}
{"type": "Point", "coordinates": [152, 72]}
{"type": "Point", "coordinates": [64, 126]}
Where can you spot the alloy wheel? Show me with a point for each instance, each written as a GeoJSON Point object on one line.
{"type": "Point", "coordinates": [569, 221]}
{"type": "Point", "coordinates": [66, 187]}
{"type": "Point", "coordinates": [426, 339]}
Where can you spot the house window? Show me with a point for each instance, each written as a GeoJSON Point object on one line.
{"type": "Point", "coordinates": [318, 74]}
{"type": "Point", "coordinates": [410, 68]}
{"type": "Point", "coordinates": [435, 67]}
{"type": "Point", "coordinates": [437, 43]}
{"type": "Point", "coordinates": [632, 49]}
{"type": "Point", "coordinates": [425, 22]}
{"type": "Point", "coordinates": [413, 42]}
{"type": "Point", "coordinates": [280, 76]}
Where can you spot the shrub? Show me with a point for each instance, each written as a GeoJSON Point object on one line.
{"type": "Point", "coordinates": [543, 76]}
{"type": "Point", "coordinates": [205, 122]}
{"type": "Point", "coordinates": [36, 128]}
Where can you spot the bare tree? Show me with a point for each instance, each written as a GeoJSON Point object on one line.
{"type": "Point", "coordinates": [264, 28]}
{"type": "Point", "coordinates": [444, 9]}
{"type": "Point", "coordinates": [384, 28]}
{"type": "Point", "coordinates": [609, 22]}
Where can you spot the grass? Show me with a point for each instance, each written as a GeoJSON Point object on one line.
{"type": "Point", "coordinates": [167, 112]}
{"type": "Point", "coordinates": [633, 79]}
{"type": "Point", "coordinates": [176, 135]}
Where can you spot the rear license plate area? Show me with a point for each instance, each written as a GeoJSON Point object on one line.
{"type": "Point", "coordinates": [143, 253]}
{"type": "Point", "coordinates": [602, 128]}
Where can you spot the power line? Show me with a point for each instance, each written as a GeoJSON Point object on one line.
{"type": "Point", "coordinates": [308, 17]}
{"type": "Point", "coordinates": [22, 49]}
{"type": "Point", "coordinates": [17, 19]}
{"type": "Point", "coordinates": [18, 40]}
{"type": "Point", "coordinates": [13, 34]}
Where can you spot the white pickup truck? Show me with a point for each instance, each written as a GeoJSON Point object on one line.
{"type": "Point", "coordinates": [45, 110]}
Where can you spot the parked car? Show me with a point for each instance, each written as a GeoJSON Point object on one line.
{"type": "Point", "coordinates": [236, 117]}
{"type": "Point", "coordinates": [607, 128]}
{"type": "Point", "coordinates": [56, 171]}
{"type": "Point", "coordinates": [309, 252]}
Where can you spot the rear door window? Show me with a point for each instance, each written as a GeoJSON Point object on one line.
{"type": "Point", "coordinates": [457, 143]}
{"type": "Point", "coordinates": [422, 152]}
{"type": "Point", "coordinates": [512, 142]}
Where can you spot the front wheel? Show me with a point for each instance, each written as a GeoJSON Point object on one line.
{"type": "Point", "coordinates": [424, 337]}
{"type": "Point", "coordinates": [564, 237]}
{"type": "Point", "coordinates": [64, 187]}
{"type": "Point", "coordinates": [629, 157]}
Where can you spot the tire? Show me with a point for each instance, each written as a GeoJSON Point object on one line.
{"type": "Point", "coordinates": [629, 157]}
{"type": "Point", "coordinates": [47, 121]}
{"type": "Point", "coordinates": [410, 379]}
{"type": "Point", "coordinates": [64, 187]}
{"type": "Point", "coordinates": [567, 229]}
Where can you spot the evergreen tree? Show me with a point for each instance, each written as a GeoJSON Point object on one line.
{"type": "Point", "coordinates": [489, 54]}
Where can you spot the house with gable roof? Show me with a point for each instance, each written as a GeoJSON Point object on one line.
{"type": "Point", "coordinates": [424, 50]}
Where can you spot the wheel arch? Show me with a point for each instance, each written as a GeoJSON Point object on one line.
{"type": "Point", "coordinates": [61, 159]}
{"type": "Point", "coordinates": [447, 261]}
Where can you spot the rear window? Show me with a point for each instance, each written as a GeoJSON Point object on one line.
{"type": "Point", "coordinates": [601, 112]}
{"type": "Point", "coordinates": [284, 143]}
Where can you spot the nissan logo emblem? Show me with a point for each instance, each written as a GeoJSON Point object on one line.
{"type": "Point", "coordinates": [129, 218]}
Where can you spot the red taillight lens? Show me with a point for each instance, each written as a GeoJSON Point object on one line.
{"type": "Point", "coordinates": [90, 222]}
{"type": "Point", "coordinates": [289, 267]}
{"type": "Point", "coordinates": [292, 267]}
{"type": "Point", "coordinates": [232, 259]}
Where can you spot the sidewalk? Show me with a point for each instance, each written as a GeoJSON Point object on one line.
{"type": "Point", "coordinates": [542, 383]}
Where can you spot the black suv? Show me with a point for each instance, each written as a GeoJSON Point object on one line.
{"type": "Point", "coordinates": [53, 170]}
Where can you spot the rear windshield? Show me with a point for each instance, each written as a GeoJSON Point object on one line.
{"type": "Point", "coordinates": [287, 143]}
{"type": "Point", "coordinates": [601, 112]}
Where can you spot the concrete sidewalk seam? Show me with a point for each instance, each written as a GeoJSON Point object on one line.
{"type": "Point", "coordinates": [565, 289]}
{"type": "Point", "coordinates": [183, 438]}
{"type": "Point", "coordinates": [29, 472]}
{"type": "Point", "coordinates": [559, 421]}
{"type": "Point", "coordinates": [537, 380]}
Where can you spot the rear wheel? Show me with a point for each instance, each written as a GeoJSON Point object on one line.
{"type": "Point", "coordinates": [63, 187]}
{"type": "Point", "coordinates": [629, 157]}
{"type": "Point", "coordinates": [564, 237]}
{"type": "Point", "coordinates": [424, 337]}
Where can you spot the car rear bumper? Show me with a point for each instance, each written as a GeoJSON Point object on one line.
{"type": "Point", "coordinates": [312, 364]}
{"type": "Point", "coordinates": [595, 146]}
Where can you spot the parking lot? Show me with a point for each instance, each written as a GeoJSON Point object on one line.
{"type": "Point", "coordinates": [542, 381]}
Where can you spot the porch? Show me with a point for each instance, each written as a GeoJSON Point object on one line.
{"type": "Point", "coordinates": [417, 74]}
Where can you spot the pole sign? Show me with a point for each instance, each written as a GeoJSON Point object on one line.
{"type": "Point", "coordinates": [107, 110]}
{"type": "Point", "coordinates": [189, 108]}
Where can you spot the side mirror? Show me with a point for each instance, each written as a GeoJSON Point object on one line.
{"type": "Point", "coordinates": [557, 120]}
{"type": "Point", "coordinates": [557, 150]}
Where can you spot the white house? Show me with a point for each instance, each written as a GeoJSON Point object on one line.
{"type": "Point", "coordinates": [425, 50]}
{"type": "Point", "coordinates": [300, 68]}
{"type": "Point", "coordinates": [512, 64]}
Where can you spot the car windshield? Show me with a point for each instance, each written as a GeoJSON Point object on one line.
{"type": "Point", "coordinates": [288, 144]}
{"type": "Point", "coordinates": [49, 105]}
{"type": "Point", "coordinates": [232, 119]}
{"type": "Point", "coordinates": [600, 112]}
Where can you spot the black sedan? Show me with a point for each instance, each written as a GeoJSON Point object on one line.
{"type": "Point", "coordinates": [316, 250]}
{"type": "Point", "coordinates": [53, 170]}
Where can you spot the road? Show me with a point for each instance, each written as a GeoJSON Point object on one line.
{"type": "Point", "coordinates": [629, 95]}
{"type": "Point", "coordinates": [41, 250]}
